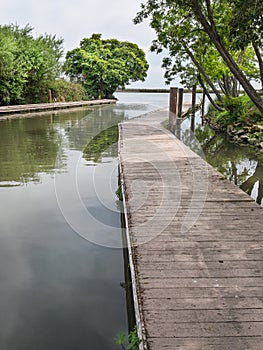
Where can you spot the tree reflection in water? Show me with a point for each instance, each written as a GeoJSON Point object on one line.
{"type": "Point", "coordinates": [248, 185]}
{"type": "Point", "coordinates": [243, 165]}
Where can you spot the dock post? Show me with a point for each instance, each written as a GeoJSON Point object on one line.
{"type": "Point", "coordinates": [50, 99]}
{"type": "Point", "coordinates": [203, 104]}
{"type": "Point", "coordinates": [193, 109]}
{"type": "Point", "coordinates": [193, 99]}
{"type": "Point", "coordinates": [180, 102]}
{"type": "Point", "coordinates": [173, 110]}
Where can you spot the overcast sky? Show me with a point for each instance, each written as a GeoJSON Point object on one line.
{"type": "Point", "coordinates": [76, 19]}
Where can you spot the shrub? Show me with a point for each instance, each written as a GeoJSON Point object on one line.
{"type": "Point", "coordinates": [237, 110]}
{"type": "Point", "coordinates": [63, 90]}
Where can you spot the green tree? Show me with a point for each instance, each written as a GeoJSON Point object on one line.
{"type": "Point", "coordinates": [43, 56]}
{"type": "Point", "coordinates": [12, 68]}
{"type": "Point", "coordinates": [27, 64]}
{"type": "Point", "coordinates": [247, 27]}
{"type": "Point", "coordinates": [104, 65]}
{"type": "Point", "coordinates": [192, 26]}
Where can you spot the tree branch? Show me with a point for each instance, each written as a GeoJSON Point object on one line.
{"type": "Point", "coordinates": [260, 61]}
{"type": "Point", "coordinates": [223, 51]}
{"type": "Point", "coordinates": [208, 94]}
{"type": "Point", "coordinates": [210, 13]}
{"type": "Point", "coordinates": [202, 71]}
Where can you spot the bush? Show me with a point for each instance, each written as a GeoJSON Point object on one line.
{"type": "Point", "coordinates": [237, 110]}
{"type": "Point", "coordinates": [63, 90]}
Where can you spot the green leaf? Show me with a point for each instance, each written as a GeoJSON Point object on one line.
{"type": "Point", "coordinates": [120, 338]}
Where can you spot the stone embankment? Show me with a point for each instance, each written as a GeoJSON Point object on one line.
{"type": "Point", "coordinates": [248, 134]}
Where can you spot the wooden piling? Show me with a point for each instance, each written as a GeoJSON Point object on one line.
{"type": "Point", "coordinates": [193, 109]}
{"type": "Point", "coordinates": [173, 100]}
{"type": "Point", "coordinates": [173, 107]}
{"type": "Point", "coordinates": [50, 100]}
{"type": "Point", "coordinates": [203, 104]}
{"type": "Point", "coordinates": [180, 102]}
{"type": "Point", "coordinates": [193, 99]}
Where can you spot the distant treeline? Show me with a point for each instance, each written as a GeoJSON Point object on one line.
{"type": "Point", "coordinates": [32, 68]}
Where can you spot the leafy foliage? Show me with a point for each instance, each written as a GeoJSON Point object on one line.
{"type": "Point", "coordinates": [68, 91]}
{"type": "Point", "coordinates": [134, 341]}
{"type": "Point", "coordinates": [120, 339]}
{"type": "Point", "coordinates": [239, 110]}
{"type": "Point", "coordinates": [197, 36]}
{"type": "Point", "coordinates": [27, 64]}
{"type": "Point", "coordinates": [119, 193]}
{"type": "Point", "coordinates": [247, 22]}
{"type": "Point", "coordinates": [104, 65]}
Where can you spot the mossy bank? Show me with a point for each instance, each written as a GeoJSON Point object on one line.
{"type": "Point", "coordinates": [240, 120]}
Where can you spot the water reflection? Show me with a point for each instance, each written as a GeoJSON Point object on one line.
{"type": "Point", "coordinates": [30, 146]}
{"type": "Point", "coordinates": [102, 144]}
{"type": "Point", "coordinates": [243, 165]}
{"type": "Point", "coordinates": [57, 290]}
{"type": "Point", "coordinates": [250, 184]}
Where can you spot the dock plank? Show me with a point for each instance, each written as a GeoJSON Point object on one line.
{"type": "Point", "coordinates": [196, 245]}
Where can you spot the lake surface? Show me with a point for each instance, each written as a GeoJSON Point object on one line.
{"type": "Point", "coordinates": [61, 262]}
{"type": "Point", "coordinates": [243, 165]}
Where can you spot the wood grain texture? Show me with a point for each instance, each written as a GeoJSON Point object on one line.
{"type": "Point", "coordinates": [197, 244]}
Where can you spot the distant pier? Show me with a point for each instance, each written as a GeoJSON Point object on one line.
{"type": "Point", "coordinates": [32, 108]}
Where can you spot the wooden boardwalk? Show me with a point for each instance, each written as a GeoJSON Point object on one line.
{"type": "Point", "coordinates": [195, 242]}
{"type": "Point", "coordinates": [31, 108]}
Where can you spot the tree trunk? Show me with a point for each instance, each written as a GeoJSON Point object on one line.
{"type": "Point", "coordinates": [260, 62]}
{"type": "Point", "coordinates": [234, 87]}
{"type": "Point", "coordinates": [202, 71]}
{"type": "Point", "coordinates": [208, 94]}
{"type": "Point", "coordinates": [237, 72]}
{"type": "Point", "coordinates": [222, 87]}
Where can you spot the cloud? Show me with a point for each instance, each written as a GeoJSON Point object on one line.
{"type": "Point", "coordinates": [74, 20]}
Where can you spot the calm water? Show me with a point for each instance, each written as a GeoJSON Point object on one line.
{"type": "Point", "coordinates": [60, 269]}
{"type": "Point", "coordinates": [61, 265]}
{"type": "Point", "coordinates": [243, 165]}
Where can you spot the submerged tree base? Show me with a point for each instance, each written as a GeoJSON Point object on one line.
{"type": "Point", "coordinates": [241, 121]}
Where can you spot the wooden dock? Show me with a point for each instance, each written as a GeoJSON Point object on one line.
{"type": "Point", "coordinates": [32, 108]}
{"type": "Point", "coordinates": [195, 242]}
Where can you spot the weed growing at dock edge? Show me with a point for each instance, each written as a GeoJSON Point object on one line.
{"type": "Point", "coordinates": [134, 341]}
{"type": "Point", "coordinates": [119, 193]}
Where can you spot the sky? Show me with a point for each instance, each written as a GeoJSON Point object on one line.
{"type": "Point", "coordinates": [74, 20]}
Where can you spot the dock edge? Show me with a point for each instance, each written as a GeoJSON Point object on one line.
{"type": "Point", "coordinates": [137, 307]}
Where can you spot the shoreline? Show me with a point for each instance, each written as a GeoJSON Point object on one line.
{"type": "Point", "coordinates": [242, 134]}
{"type": "Point", "coordinates": [18, 110]}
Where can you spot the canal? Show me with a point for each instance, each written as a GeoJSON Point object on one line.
{"type": "Point", "coordinates": [61, 262]}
